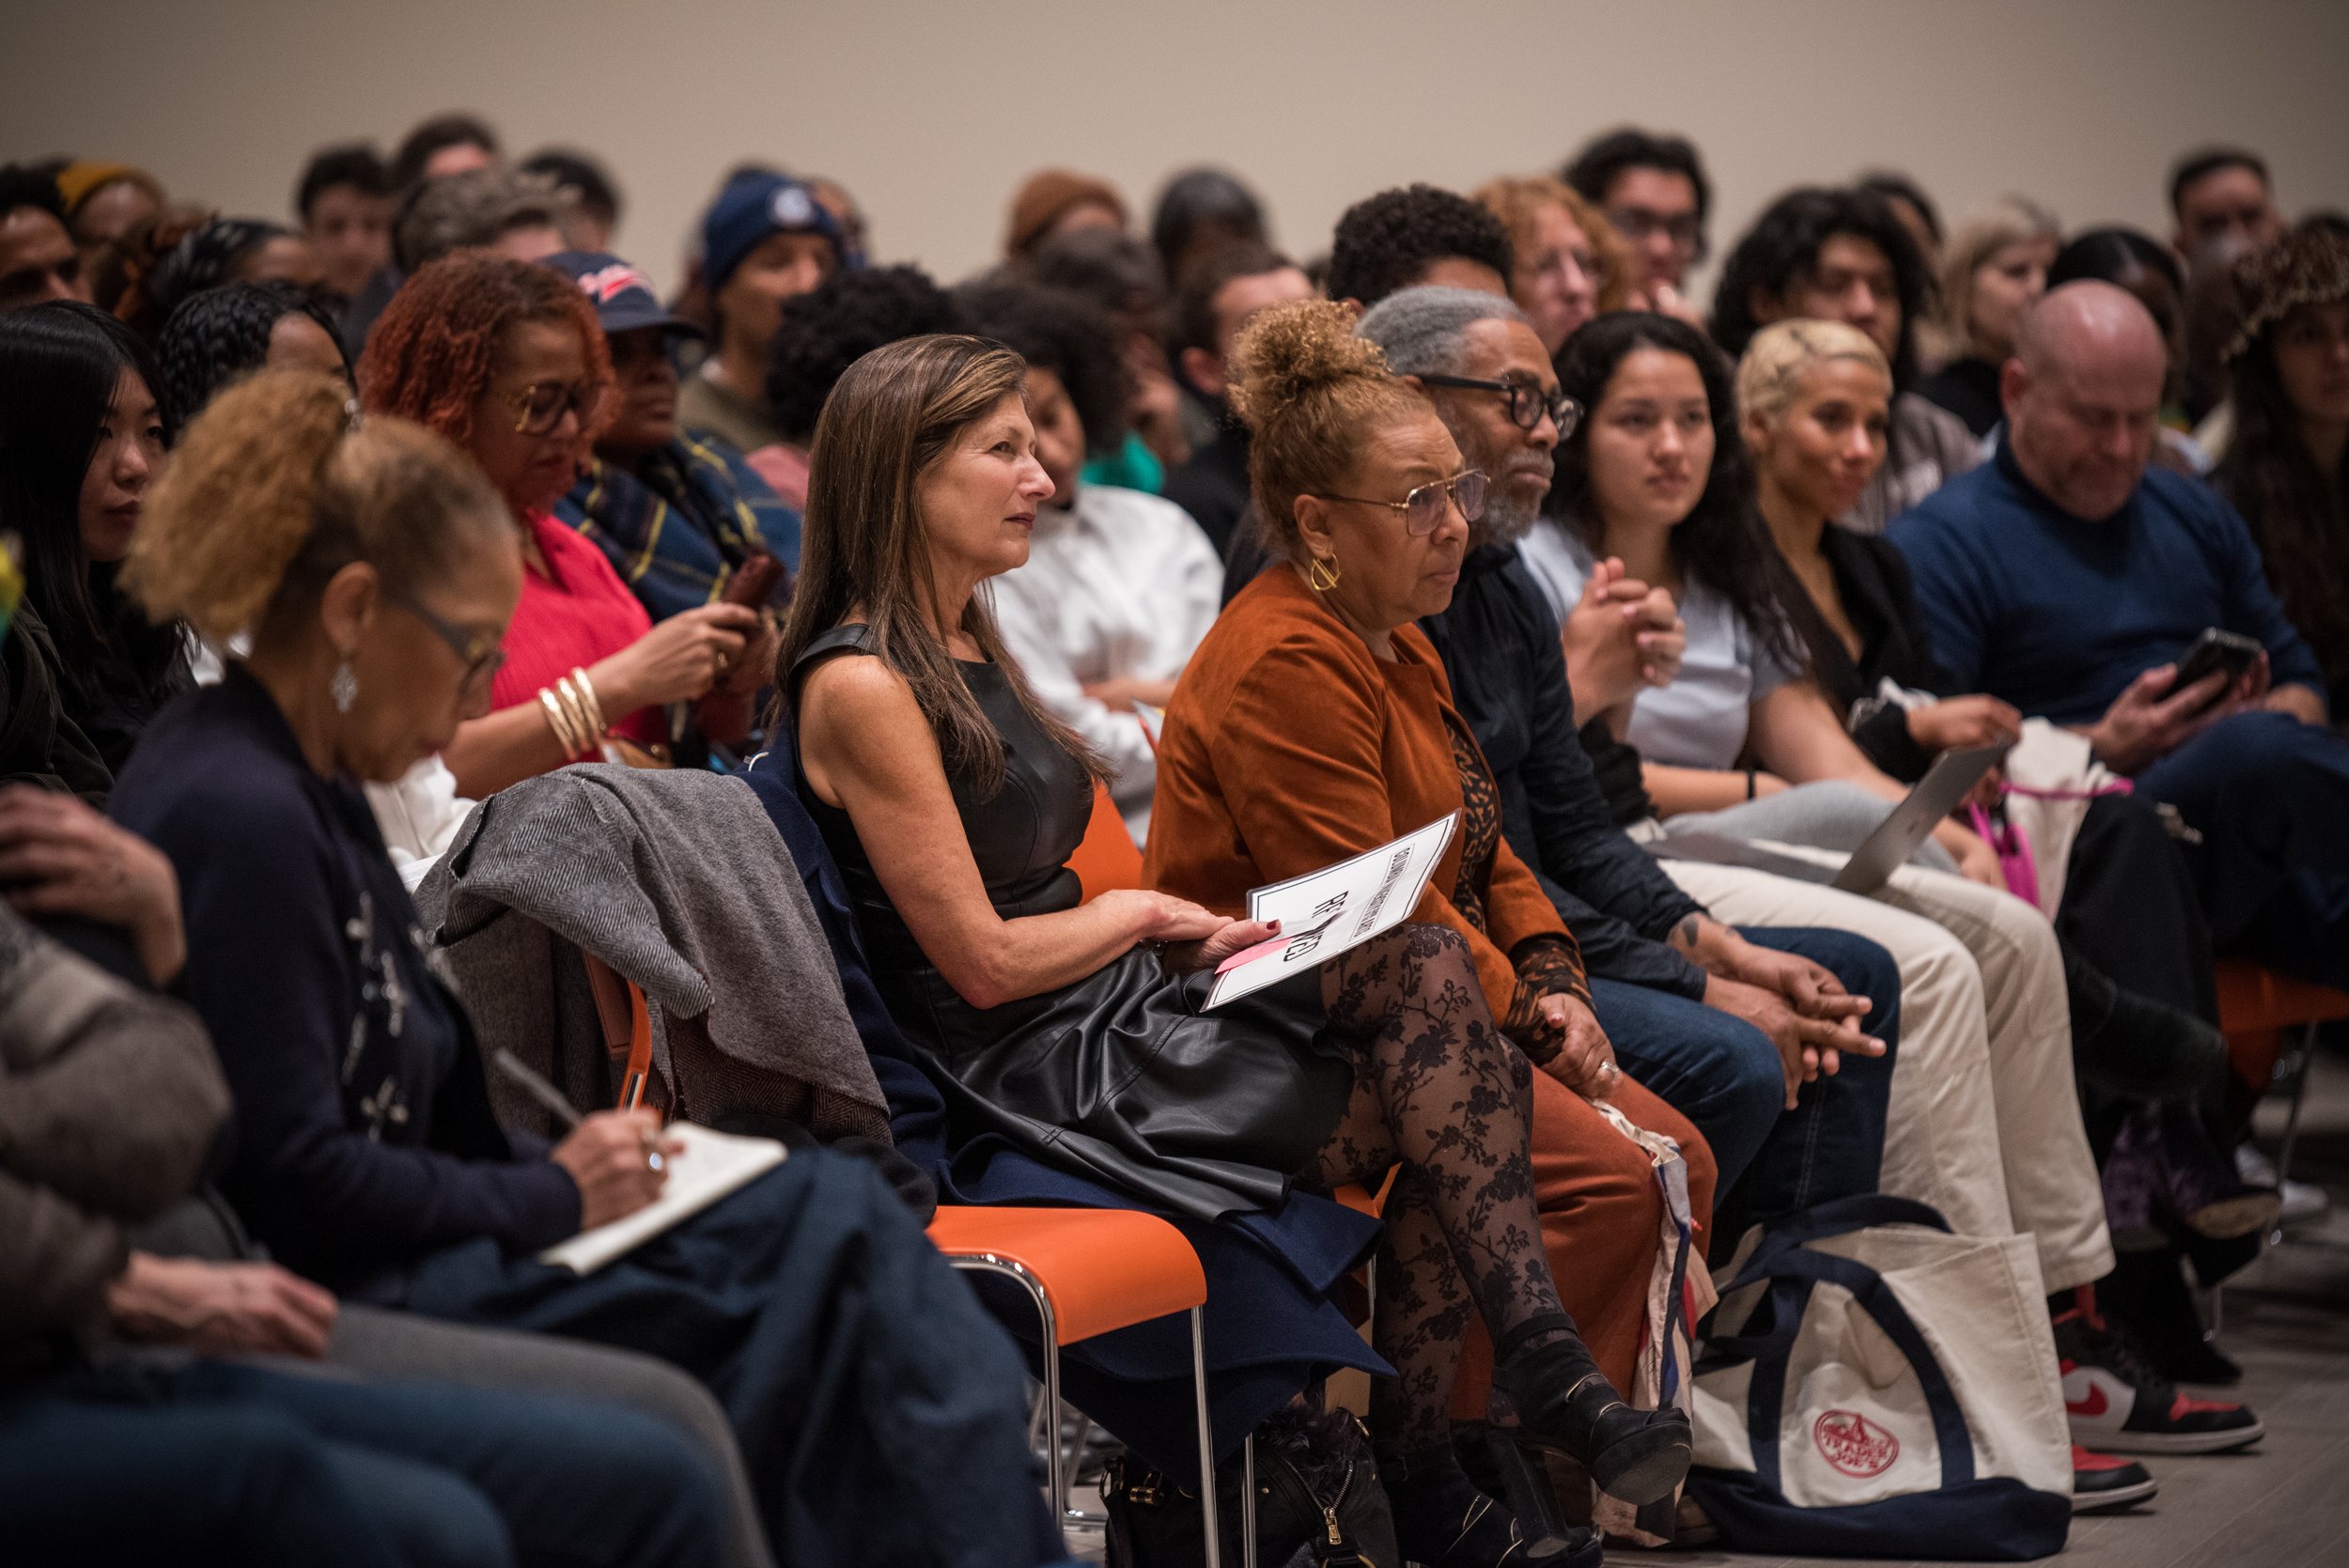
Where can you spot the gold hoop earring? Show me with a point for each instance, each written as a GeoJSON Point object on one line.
{"type": "Point", "coordinates": [1322, 574]}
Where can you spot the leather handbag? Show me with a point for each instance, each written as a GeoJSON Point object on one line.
{"type": "Point", "coordinates": [1318, 1503]}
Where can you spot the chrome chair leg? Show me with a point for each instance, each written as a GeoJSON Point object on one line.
{"type": "Point", "coordinates": [1248, 1501]}
{"type": "Point", "coordinates": [1207, 1442]}
{"type": "Point", "coordinates": [2300, 1094]}
{"type": "Point", "coordinates": [1055, 1460]}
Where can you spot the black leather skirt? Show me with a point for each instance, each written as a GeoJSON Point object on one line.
{"type": "Point", "coordinates": [1121, 1077]}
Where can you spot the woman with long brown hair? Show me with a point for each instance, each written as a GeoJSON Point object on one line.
{"type": "Point", "coordinates": [1075, 1033]}
{"type": "Point", "coordinates": [2287, 464]}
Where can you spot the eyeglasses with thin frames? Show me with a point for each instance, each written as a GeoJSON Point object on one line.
{"type": "Point", "coordinates": [482, 663]}
{"type": "Point", "coordinates": [1527, 402]}
{"type": "Point", "coordinates": [1637, 223]}
{"type": "Point", "coordinates": [538, 406]}
{"type": "Point", "coordinates": [1422, 509]}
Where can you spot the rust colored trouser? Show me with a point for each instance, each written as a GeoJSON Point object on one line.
{"type": "Point", "coordinates": [1602, 1213]}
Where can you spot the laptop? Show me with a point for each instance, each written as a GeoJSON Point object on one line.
{"type": "Point", "coordinates": [1944, 787]}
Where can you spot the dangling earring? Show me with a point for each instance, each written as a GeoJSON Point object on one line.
{"type": "Point", "coordinates": [344, 688]}
{"type": "Point", "coordinates": [1322, 574]}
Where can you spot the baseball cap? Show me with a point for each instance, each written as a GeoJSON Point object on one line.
{"type": "Point", "coordinates": [751, 207]}
{"type": "Point", "coordinates": [623, 297]}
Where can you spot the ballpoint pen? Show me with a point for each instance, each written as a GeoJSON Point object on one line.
{"type": "Point", "coordinates": [546, 1094]}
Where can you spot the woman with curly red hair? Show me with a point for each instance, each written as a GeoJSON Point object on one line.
{"type": "Point", "coordinates": [507, 359]}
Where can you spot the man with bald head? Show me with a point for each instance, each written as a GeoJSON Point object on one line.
{"type": "Point", "coordinates": [2069, 578]}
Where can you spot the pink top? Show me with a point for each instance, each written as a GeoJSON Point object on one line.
{"type": "Point", "coordinates": [785, 469]}
{"type": "Point", "coordinates": [576, 612]}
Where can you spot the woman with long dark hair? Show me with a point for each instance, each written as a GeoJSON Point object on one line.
{"type": "Point", "coordinates": [2287, 467]}
{"type": "Point", "coordinates": [82, 437]}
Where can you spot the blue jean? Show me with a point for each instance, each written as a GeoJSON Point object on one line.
{"type": "Point", "coordinates": [1724, 1075]}
{"type": "Point", "coordinates": [2270, 796]}
{"type": "Point", "coordinates": [221, 1462]}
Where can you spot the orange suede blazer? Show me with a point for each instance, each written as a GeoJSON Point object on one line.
{"type": "Point", "coordinates": [1290, 745]}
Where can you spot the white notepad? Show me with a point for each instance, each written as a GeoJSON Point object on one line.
{"type": "Point", "coordinates": [1325, 912]}
{"type": "Point", "coordinates": [709, 1166]}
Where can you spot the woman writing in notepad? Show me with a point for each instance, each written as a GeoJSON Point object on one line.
{"type": "Point", "coordinates": [375, 572]}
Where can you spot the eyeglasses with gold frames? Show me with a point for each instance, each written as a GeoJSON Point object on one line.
{"type": "Point", "coordinates": [1422, 509]}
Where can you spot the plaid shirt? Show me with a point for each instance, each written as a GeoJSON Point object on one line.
{"type": "Point", "coordinates": [676, 530]}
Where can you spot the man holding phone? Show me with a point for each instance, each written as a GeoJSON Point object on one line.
{"type": "Point", "coordinates": [2072, 579]}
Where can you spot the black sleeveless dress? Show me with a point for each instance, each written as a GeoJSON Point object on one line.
{"type": "Point", "coordinates": [1118, 1077]}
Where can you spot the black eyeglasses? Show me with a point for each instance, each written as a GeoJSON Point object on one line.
{"type": "Point", "coordinates": [1422, 509]}
{"type": "Point", "coordinates": [538, 406]}
{"type": "Point", "coordinates": [482, 655]}
{"type": "Point", "coordinates": [1527, 402]}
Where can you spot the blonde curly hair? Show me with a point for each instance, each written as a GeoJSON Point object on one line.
{"type": "Point", "coordinates": [1311, 392]}
{"type": "Point", "coordinates": [278, 485]}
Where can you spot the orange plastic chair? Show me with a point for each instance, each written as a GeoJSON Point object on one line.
{"type": "Point", "coordinates": [2257, 1008]}
{"type": "Point", "coordinates": [1089, 1272]}
{"type": "Point", "coordinates": [1107, 859]}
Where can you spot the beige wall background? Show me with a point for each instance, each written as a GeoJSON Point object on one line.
{"type": "Point", "coordinates": [932, 112]}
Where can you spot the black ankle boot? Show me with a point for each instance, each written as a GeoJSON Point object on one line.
{"type": "Point", "coordinates": [1442, 1520]}
{"type": "Point", "coordinates": [2127, 1043]}
{"type": "Point", "coordinates": [1563, 1400]}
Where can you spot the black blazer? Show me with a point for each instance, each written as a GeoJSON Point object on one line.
{"type": "Point", "coordinates": [1872, 576]}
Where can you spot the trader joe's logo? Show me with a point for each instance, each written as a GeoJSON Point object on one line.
{"type": "Point", "coordinates": [1854, 1444]}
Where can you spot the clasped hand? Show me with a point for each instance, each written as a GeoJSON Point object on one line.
{"type": "Point", "coordinates": [1800, 1005]}
{"type": "Point", "coordinates": [1621, 636]}
{"type": "Point", "coordinates": [1585, 1061]}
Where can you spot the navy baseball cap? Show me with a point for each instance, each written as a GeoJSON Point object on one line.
{"type": "Point", "coordinates": [622, 296]}
{"type": "Point", "coordinates": [754, 206]}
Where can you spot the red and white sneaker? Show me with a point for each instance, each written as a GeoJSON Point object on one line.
{"type": "Point", "coordinates": [2118, 1402]}
{"type": "Point", "coordinates": [2101, 1481]}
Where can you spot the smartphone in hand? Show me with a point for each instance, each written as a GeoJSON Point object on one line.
{"type": "Point", "coordinates": [2216, 651]}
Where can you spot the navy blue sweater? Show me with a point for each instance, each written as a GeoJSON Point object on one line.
{"type": "Point", "coordinates": [2058, 616]}
{"type": "Point", "coordinates": [363, 1135]}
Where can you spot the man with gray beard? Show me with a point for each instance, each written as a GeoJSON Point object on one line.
{"type": "Point", "coordinates": [1740, 1033]}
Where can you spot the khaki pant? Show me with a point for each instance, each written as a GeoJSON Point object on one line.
{"type": "Point", "coordinates": [1986, 1121]}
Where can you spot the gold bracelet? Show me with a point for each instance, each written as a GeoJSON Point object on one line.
{"type": "Point", "coordinates": [583, 713]}
{"type": "Point", "coordinates": [590, 701]}
{"type": "Point", "coordinates": [588, 735]}
{"type": "Point", "coordinates": [559, 720]}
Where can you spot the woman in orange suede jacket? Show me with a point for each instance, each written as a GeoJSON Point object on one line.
{"type": "Point", "coordinates": [1316, 722]}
